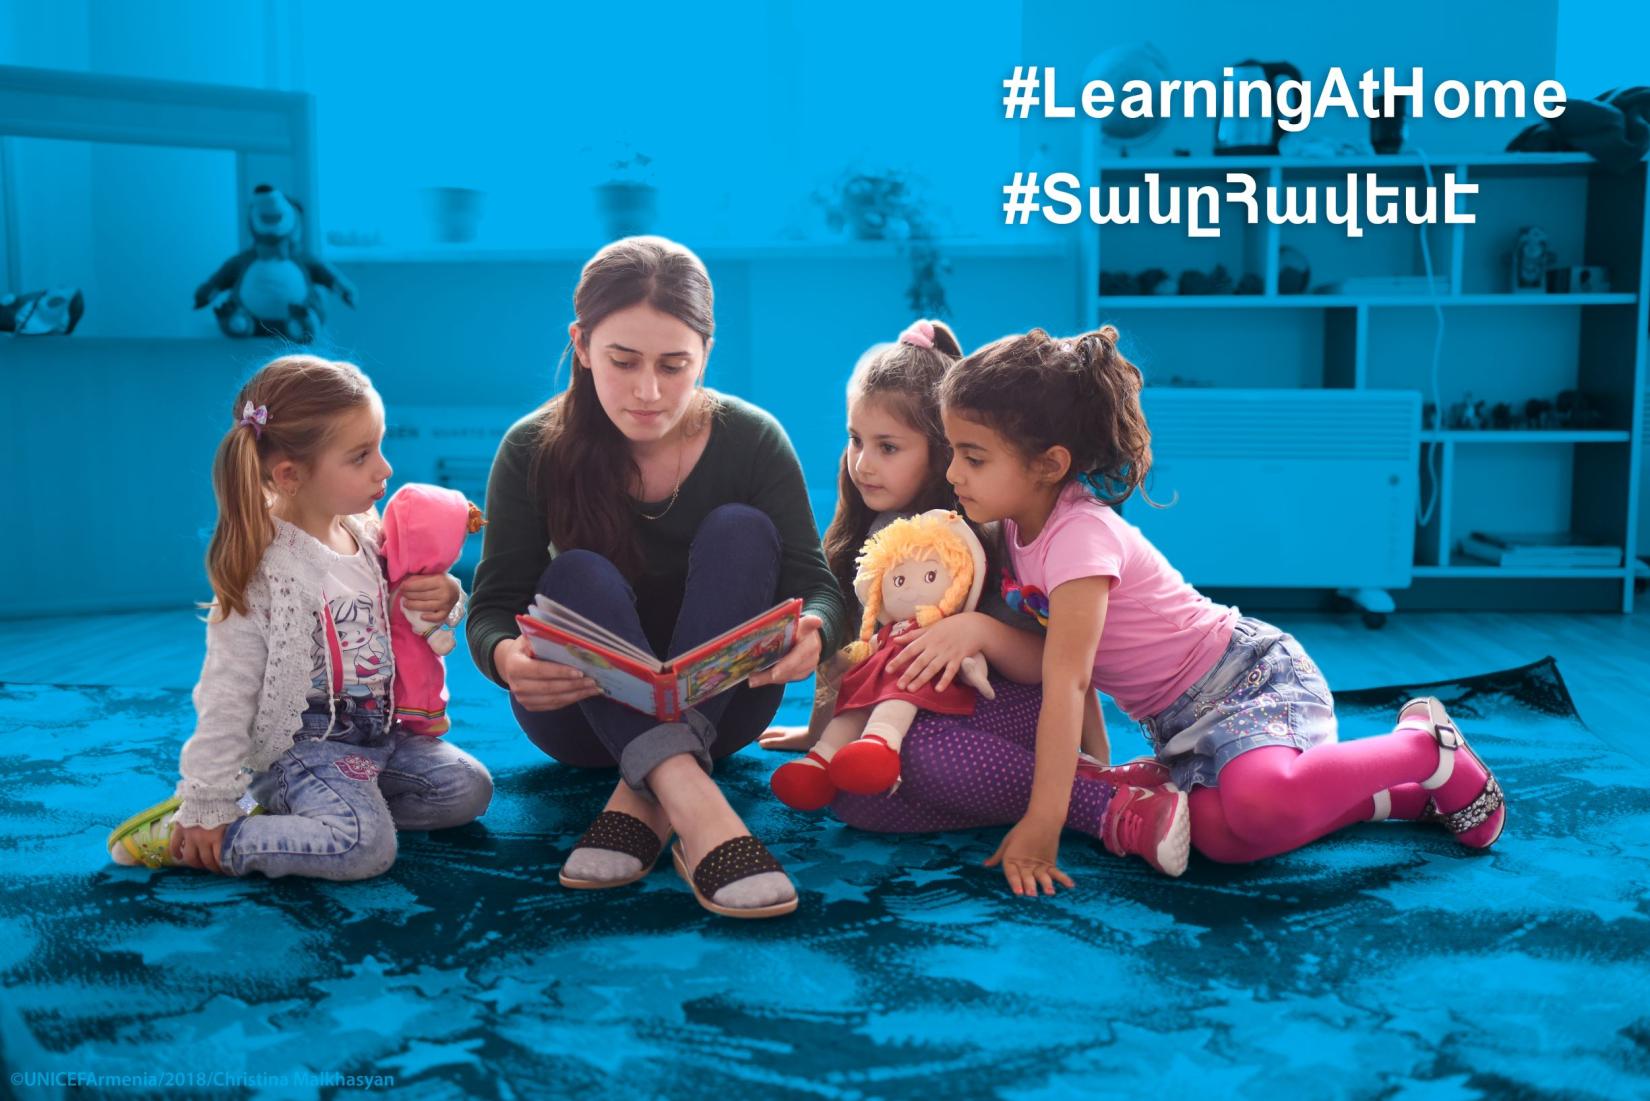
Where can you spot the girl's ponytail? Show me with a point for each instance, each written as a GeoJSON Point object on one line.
{"type": "Point", "coordinates": [288, 410]}
{"type": "Point", "coordinates": [244, 525]}
{"type": "Point", "coordinates": [1118, 467]}
{"type": "Point", "coordinates": [945, 341]}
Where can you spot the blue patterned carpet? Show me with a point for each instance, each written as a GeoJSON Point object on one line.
{"type": "Point", "coordinates": [1384, 962]}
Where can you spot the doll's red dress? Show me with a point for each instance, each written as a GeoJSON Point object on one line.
{"type": "Point", "coordinates": [869, 683]}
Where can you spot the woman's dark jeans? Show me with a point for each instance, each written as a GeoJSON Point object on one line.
{"type": "Point", "coordinates": [733, 572]}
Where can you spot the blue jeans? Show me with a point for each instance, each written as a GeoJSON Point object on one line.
{"type": "Point", "coordinates": [732, 575]}
{"type": "Point", "coordinates": [332, 805]}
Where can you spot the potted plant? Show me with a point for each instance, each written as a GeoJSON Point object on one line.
{"type": "Point", "coordinates": [885, 205]}
{"type": "Point", "coordinates": [628, 200]}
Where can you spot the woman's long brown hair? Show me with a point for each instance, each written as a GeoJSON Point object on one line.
{"type": "Point", "coordinates": [584, 468]}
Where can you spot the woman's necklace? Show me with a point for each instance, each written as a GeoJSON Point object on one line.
{"type": "Point", "coordinates": [674, 493]}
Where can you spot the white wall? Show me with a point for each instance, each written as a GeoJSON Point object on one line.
{"type": "Point", "coordinates": [136, 228]}
{"type": "Point", "coordinates": [392, 117]}
{"type": "Point", "coordinates": [44, 36]}
{"type": "Point", "coordinates": [1601, 44]}
{"type": "Point", "coordinates": [742, 120]}
{"type": "Point", "coordinates": [743, 124]}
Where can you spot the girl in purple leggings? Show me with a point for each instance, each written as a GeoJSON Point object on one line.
{"type": "Point", "coordinates": [960, 773]}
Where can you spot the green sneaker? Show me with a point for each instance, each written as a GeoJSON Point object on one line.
{"type": "Point", "coordinates": [146, 837]}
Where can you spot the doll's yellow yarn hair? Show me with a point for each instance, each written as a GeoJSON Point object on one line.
{"type": "Point", "coordinates": [902, 541]}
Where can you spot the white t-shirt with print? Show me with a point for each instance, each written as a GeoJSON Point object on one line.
{"type": "Point", "coordinates": [351, 592]}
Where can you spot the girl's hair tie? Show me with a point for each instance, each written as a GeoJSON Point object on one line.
{"type": "Point", "coordinates": [919, 333]}
{"type": "Point", "coordinates": [254, 417]}
{"type": "Point", "coordinates": [1104, 486]}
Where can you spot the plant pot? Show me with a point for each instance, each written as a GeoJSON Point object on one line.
{"type": "Point", "coordinates": [627, 209]}
{"type": "Point", "coordinates": [455, 213]}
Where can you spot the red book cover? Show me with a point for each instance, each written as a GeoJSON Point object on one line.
{"type": "Point", "coordinates": [642, 682]}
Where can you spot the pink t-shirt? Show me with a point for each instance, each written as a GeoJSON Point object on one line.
{"type": "Point", "coordinates": [1160, 634]}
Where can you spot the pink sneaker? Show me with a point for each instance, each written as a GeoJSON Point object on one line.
{"type": "Point", "coordinates": [1152, 823]}
{"type": "Point", "coordinates": [1475, 819]}
{"type": "Point", "coordinates": [1142, 772]}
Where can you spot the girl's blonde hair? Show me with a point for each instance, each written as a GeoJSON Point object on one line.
{"type": "Point", "coordinates": [302, 398]}
{"type": "Point", "coordinates": [902, 541]}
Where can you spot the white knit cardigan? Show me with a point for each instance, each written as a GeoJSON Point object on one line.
{"type": "Point", "coordinates": [256, 680]}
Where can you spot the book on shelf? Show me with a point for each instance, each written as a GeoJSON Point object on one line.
{"type": "Point", "coordinates": [664, 689]}
{"type": "Point", "coordinates": [1560, 550]}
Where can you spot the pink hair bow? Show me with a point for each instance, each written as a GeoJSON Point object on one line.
{"type": "Point", "coordinates": [254, 418]}
{"type": "Point", "coordinates": [919, 333]}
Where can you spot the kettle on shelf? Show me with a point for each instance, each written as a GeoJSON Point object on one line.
{"type": "Point", "coordinates": [1253, 136]}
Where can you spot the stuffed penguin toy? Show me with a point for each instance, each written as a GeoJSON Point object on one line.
{"type": "Point", "coordinates": [272, 288]}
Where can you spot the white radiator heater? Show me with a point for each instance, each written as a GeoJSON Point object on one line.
{"type": "Point", "coordinates": [1284, 488]}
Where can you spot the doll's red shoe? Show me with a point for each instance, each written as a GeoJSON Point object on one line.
{"type": "Point", "coordinates": [868, 766]}
{"type": "Point", "coordinates": [804, 784]}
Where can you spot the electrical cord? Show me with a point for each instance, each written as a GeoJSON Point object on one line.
{"type": "Point", "coordinates": [1427, 504]}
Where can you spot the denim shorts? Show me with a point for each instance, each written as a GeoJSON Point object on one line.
{"type": "Point", "coordinates": [1263, 691]}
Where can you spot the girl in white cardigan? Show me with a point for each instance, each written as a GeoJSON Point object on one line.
{"type": "Point", "coordinates": [293, 768]}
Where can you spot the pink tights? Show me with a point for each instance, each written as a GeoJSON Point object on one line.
{"type": "Point", "coordinates": [1276, 799]}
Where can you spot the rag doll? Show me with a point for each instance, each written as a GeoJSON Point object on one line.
{"type": "Point", "coordinates": [424, 529]}
{"type": "Point", "coordinates": [911, 574]}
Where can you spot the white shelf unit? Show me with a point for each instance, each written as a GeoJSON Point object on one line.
{"type": "Point", "coordinates": [1517, 346]}
{"type": "Point", "coordinates": [271, 134]}
{"type": "Point", "coordinates": [709, 251]}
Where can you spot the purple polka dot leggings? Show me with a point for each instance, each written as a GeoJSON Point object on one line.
{"type": "Point", "coordinates": [964, 773]}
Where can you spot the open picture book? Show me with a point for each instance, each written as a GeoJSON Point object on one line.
{"type": "Point", "coordinates": [637, 679]}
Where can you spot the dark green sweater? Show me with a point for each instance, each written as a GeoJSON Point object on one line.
{"type": "Point", "coordinates": [748, 460]}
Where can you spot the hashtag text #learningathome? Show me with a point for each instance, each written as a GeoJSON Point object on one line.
{"type": "Point", "coordinates": [1294, 103]}
{"type": "Point", "coordinates": [1058, 198]}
